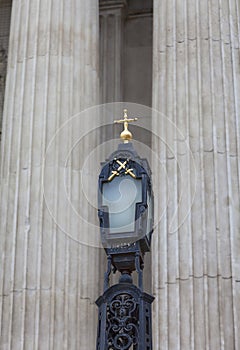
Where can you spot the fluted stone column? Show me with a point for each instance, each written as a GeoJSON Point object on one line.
{"type": "Point", "coordinates": [112, 15]}
{"type": "Point", "coordinates": [47, 283]}
{"type": "Point", "coordinates": [196, 254]}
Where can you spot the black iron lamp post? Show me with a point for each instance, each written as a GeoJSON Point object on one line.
{"type": "Point", "coordinates": [126, 224]}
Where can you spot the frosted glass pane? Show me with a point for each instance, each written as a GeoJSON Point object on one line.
{"type": "Point", "coordinates": [121, 195]}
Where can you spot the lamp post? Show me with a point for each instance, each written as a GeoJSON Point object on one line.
{"type": "Point", "coordinates": [125, 201]}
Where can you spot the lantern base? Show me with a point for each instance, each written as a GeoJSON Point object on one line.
{"type": "Point", "coordinates": [125, 320]}
{"type": "Point", "coordinates": [125, 264]}
{"type": "Point", "coordinates": [124, 257]}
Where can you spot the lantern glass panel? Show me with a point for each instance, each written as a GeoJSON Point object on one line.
{"type": "Point", "coordinates": [120, 196]}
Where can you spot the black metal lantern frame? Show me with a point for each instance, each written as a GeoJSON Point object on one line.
{"type": "Point", "coordinates": [124, 309]}
{"type": "Point", "coordinates": [126, 162]}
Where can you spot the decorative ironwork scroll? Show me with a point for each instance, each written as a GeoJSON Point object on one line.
{"type": "Point", "coordinates": [122, 322]}
{"type": "Point", "coordinates": [124, 319]}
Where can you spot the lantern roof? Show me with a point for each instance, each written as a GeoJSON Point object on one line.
{"type": "Point", "coordinates": [127, 151]}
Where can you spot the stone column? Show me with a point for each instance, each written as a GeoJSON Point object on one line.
{"type": "Point", "coordinates": [196, 255]}
{"type": "Point", "coordinates": [47, 288]}
{"type": "Point", "coordinates": [112, 14]}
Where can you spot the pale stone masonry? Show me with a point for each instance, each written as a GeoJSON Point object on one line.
{"type": "Point", "coordinates": [47, 299]}
{"type": "Point", "coordinates": [49, 282]}
{"type": "Point", "coordinates": [196, 84]}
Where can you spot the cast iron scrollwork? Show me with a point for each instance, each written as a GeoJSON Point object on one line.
{"type": "Point", "coordinates": [122, 319]}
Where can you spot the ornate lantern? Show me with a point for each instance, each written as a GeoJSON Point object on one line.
{"type": "Point", "coordinates": [126, 223]}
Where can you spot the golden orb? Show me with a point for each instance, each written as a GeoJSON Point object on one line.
{"type": "Point", "coordinates": [126, 135]}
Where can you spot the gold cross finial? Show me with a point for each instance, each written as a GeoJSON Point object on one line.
{"type": "Point", "coordinates": [126, 135]}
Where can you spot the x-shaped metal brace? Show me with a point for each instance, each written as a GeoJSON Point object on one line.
{"type": "Point", "coordinates": [121, 166]}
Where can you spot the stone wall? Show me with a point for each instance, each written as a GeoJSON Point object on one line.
{"type": "Point", "coordinates": [47, 282]}
{"type": "Point", "coordinates": [196, 256]}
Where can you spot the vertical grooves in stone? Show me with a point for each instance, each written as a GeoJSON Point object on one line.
{"type": "Point", "coordinates": [162, 47]}
{"type": "Point", "coordinates": [6, 178]}
{"type": "Point", "coordinates": [39, 50]}
{"type": "Point", "coordinates": [72, 276]}
{"type": "Point", "coordinates": [218, 151]}
{"type": "Point", "coordinates": [40, 216]}
{"type": "Point", "coordinates": [231, 153]}
{"type": "Point", "coordinates": [93, 291]}
{"type": "Point", "coordinates": [200, 314]}
{"type": "Point", "coordinates": [29, 268]}
{"type": "Point", "coordinates": [67, 54]}
{"type": "Point", "coordinates": [204, 104]}
{"type": "Point", "coordinates": [77, 29]}
{"type": "Point", "coordinates": [38, 286]}
{"type": "Point", "coordinates": [187, 268]}
{"type": "Point", "coordinates": [226, 255]}
{"type": "Point", "coordinates": [174, 72]}
{"type": "Point", "coordinates": [102, 55]}
{"type": "Point", "coordinates": [117, 61]}
{"type": "Point", "coordinates": [70, 313]}
{"type": "Point", "coordinates": [20, 232]}
{"type": "Point", "coordinates": [173, 173]}
{"type": "Point", "coordinates": [235, 183]}
{"type": "Point", "coordinates": [77, 85]}
{"type": "Point", "coordinates": [159, 245]}
{"type": "Point", "coordinates": [85, 298]}
{"type": "Point", "coordinates": [111, 28]}
{"type": "Point", "coordinates": [58, 277]}
{"type": "Point", "coordinates": [213, 293]}
{"type": "Point", "coordinates": [207, 149]}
